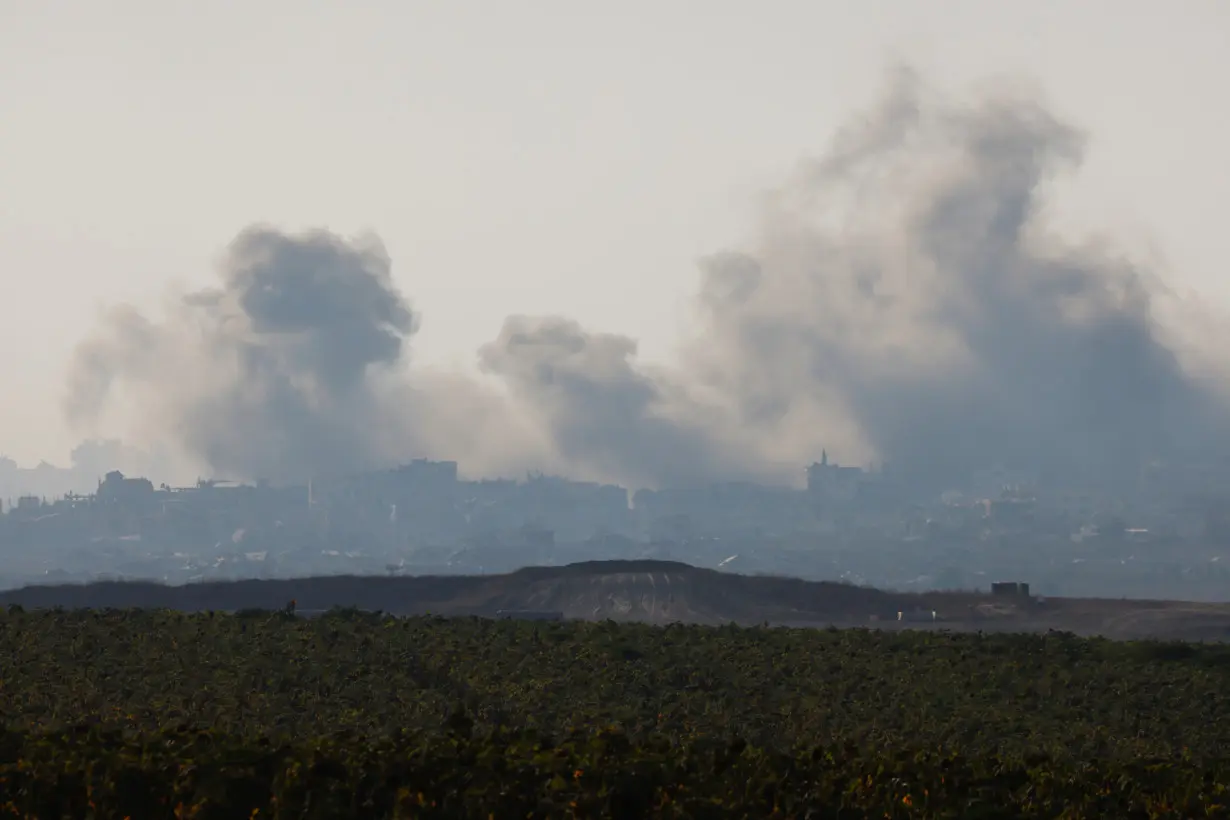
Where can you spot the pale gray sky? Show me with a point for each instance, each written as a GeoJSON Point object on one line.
{"type": "Point", "coordinates": [570, 157]}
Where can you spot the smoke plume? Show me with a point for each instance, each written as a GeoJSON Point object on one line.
{"type": "Point", "coordinates": [273, 373]}
{"type": "Point", "coordinates": [906, 283]}
{"type": "Point", "coordinates": [603, 415]}
{"type": "Point", "coordinates": [903, 302]}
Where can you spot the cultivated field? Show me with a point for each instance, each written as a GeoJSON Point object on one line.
{"type": "Point", "coordinates": [157, 714]}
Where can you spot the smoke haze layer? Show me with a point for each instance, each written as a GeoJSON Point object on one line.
{"type": "Point", "coordinates": [903, 301]}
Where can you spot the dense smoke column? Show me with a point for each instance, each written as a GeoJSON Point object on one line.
{"type": "Point", "coordinates": [271, 374]}
{"type": "Point", "coordinates": [905, 283]}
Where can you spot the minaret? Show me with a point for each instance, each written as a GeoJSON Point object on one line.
{"type": "Point", "coordinates": [824, 458]}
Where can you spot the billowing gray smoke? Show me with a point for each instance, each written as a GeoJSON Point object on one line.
{"type": "Point", "coordinates": [605, 417]}
{"type": "Point", "coordinates": [903, 302]}
{"type": "Point", "coordinates": [271, 374]}
{"type": "Point", "coordinates": [905, 284]}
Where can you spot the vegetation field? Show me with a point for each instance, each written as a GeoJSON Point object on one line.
{"type": "Point", "coordinates": [163, 714]}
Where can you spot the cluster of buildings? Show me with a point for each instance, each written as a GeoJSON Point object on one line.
{"type": "Point", "coordinates": [848, 523]}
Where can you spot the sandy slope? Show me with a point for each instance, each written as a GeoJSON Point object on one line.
{"type": "Point", "coordinates": [660, 592]}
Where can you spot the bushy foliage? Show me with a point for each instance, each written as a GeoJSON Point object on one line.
{"type": "Point", "coordinates": [161, 714]}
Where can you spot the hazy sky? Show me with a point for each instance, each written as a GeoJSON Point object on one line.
{"type": "Point", "coordinates": [536, 157]}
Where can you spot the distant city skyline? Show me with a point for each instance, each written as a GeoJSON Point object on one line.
{"type": "Point", "coordinates": [1165, 536]}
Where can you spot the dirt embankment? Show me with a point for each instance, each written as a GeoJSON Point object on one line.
{"type": "Point", "coordinates": [657, 592]}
